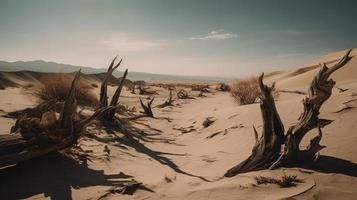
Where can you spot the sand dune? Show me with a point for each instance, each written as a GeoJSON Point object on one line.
{"type": "Point", "coordinates": [175, 164]}
{"type": "Point", "coordinates": [303, 76]}
{"type": "Point", "coordinates": [23, 78]}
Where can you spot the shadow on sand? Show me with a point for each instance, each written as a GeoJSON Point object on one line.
{"type": "Point", "coordinates": [132, 139]}
{"type": "Point", "coordinates": [329, 164]}
{"type": "Point", "coordinates": [53, 176]}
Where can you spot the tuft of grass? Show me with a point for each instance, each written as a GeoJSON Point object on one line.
{"type": "Point", "coordinates": [57, 88]}
{"type": "Point", "coordinates": [246, 91]}
{"type": "Point", "coordinates": [284, 182]}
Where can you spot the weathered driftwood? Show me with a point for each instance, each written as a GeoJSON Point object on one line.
{"type": "Point", "coordinates": [183, 94]}
{"type": "Point", "coordinates": [110, 113]}
{"type": "Point", "coordinates": [168, 102]}
{"type": "Point", "coordinates": [267, 151]}
{"type": "Point", "coordinates": [103, 97]}
{"type": "Point", "coordinates": [39, 134]}
{"type": "Point", "coordinates": [147, 108]}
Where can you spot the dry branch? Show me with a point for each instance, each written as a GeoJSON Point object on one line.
{"type": "Point", "coordinates": [168, 102]}
{"type": "Point", "coordinates": [109, 115]}
{"type": "Point", "coordinates": [147, 108]}
{"type": "Point", "coordinates": [103, 97]}
{"type": "Point", "coordinates": [183, 94]}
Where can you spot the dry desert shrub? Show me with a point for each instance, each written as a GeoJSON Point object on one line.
{"type": "Point", "coordinates": [284, 182]}
{"type": "Point", "coordinates": [58, 87]}
{"type": "Point", "coordinates": [247, 91]}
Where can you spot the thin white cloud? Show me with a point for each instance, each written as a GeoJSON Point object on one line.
{"type": "Point", "coordinates": [126, 43]}
{"type": "Point", "coordinates": [216, 35]}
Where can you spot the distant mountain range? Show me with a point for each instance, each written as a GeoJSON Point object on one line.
{"type": "Point", "coordinates": [44, 66]}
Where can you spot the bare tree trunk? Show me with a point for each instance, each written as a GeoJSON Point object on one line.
{"type": "Point", "coordinates": [103, 97]}
{"type": "Point", "coordinates": [109, 114]}
{"type": "Point", "coordinates": [115, 99]}
{"type": "Point", "coordinates": [267, 151]}
{"type": "Point", "coordinates": [147, 108]}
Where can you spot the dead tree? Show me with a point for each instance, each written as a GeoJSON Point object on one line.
{"type": "Point", "coordinates": [103, 96]}
{"type": "Point", "coordinates": [183, 94]}
{"type": "Point", "coordinates": [38, 135]}
{"type": "Point", "coordinates": [115, 99]}
{"type": "Point", "coordinates": [109, 115]}
{"type": "Point", "coordinates": [223, 87]}
{"type": "Point", "coordinates": [168, 102]}
{"type": "Point", "coordinates": [147, 108]}
{"type": "Point", "coordinates": [267, 152]}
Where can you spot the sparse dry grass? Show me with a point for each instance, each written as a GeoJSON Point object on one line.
{"type": "Point", "coordinates": [58, 87]}
{"type": "Point", "coordinates": [246, 91]}
{"type": "Point", "coordinates": [284, 182]}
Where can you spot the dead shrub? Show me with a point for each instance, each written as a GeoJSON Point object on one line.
{"type": "Point", "coordinates": [246, 91]}
{"type": "Point", "coordinates": [57, 88]}
{"type": "Point", "coordinates": [284, 182]}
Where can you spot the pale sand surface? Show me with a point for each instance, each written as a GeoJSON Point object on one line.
{"type": "Point", "coordinates": [192, 163]}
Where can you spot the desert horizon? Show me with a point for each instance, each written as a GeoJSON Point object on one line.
{"type": "Point", "coordinates": [189, 100]}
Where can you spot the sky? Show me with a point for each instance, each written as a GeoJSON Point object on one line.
{"type": "Point", "coordinates": [231, 38]}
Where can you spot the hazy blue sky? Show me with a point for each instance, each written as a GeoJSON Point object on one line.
{"type": "Point", "coordinates": [192, 37]}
